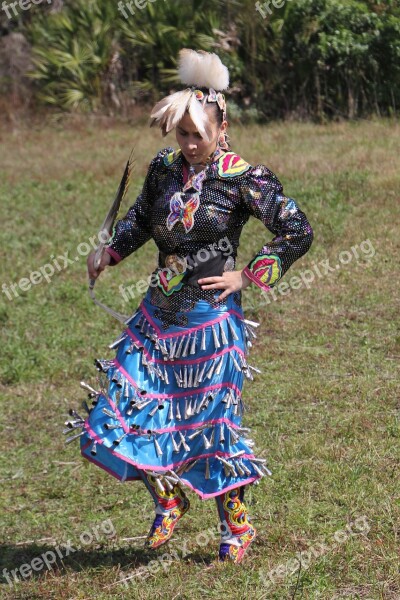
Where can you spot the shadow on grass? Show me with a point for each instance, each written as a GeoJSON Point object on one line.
{"type": "Point", "coordinates": [18, 564]}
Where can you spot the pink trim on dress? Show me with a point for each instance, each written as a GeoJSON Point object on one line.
{"type": "Point", "coordinates": [186, 331]}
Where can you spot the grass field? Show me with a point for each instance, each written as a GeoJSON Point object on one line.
{"type": "Point", "coordinates": [325, 411]}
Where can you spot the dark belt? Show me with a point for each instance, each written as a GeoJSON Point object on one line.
{"type": "Point", "coordinates": [205, 262]}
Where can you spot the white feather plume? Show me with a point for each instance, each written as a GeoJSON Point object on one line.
{"type": "Point", "coordinates": [202, 69]}
{"type": "Point", "coordinates": [199, 117]}
{"type": "Point", "coordinates": [169, 111]}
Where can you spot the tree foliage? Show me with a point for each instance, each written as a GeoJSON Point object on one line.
{"type": "Point", "coordinates": [321, 58]}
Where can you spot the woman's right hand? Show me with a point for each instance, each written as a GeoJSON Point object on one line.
{"type": "Point", "coordinates": [105, 261]}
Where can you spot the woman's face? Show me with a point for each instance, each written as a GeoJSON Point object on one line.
{"type": "Point", "coordinates": [194, 148]}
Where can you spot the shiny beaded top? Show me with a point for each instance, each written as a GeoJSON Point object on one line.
{"type": "Point", "coordinates": [184, 219]}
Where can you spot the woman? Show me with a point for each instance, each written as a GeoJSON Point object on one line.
{"type": "Point", "coordinates": [169, 410]}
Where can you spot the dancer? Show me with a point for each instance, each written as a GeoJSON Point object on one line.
{"type": "Point", "coordinates": [169, 408]}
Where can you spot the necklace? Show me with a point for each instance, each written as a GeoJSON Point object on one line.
{"type": "Point", "coordinates": [183, 211]}
{"type": "Point", "coordinates": [195, 180]}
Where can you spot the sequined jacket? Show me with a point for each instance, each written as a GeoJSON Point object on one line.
{"type": "Point", "coordinates": [231, 192]}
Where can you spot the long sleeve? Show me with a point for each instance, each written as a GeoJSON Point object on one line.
{"type": "Point", "coordinates": [262, 194]}
{"type": "Point", "coordinates": [134, 229]}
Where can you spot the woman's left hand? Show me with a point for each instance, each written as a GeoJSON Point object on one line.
{"type": "Point", "coordinates": [230, 281]}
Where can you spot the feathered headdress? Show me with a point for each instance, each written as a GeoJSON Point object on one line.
{"type": "Point", "coordinates": [196, 69]}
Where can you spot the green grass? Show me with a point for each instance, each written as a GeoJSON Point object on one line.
{"type": "Point", "coordinates": [325, 411]}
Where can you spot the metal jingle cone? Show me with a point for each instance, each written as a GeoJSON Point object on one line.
{"type": "Point", "coordinates": [130, 319]}
{"type": "Point", "coordinates": [224, 339]}
{"type": "Point", "coordinates": [186, 414]}
{"type": "Point", "coordinates": [117, 397]}
{"type": "Point", "coordinates": [168, 484]}
{"type": "Point", "coordinates": [72, 424]}
{"type": "Point", "coordinates": [183, 442]}
{"type": "Point", "coordinates": [219, 367]}
{"type": "Point", "coordinates": [110, 426]}
{"type": "Point", "coordinates": [153, 410]}
{"type": "Point", "coordinates": [206, 442]}
{"type": "Point", "coordinates": [227, 466]}
{"type": "Point", "coordinates": [193, 344]}
{"type": "Point", "coordinates": [73, 413]}
{"type": "Point", "coordinates": [193, 435]}
{"type": "Point", "coordinates": [210, 397]}
{"type": "Point", "coordinates": [203, 339]}
{"type": "Point", "coordinates": [181, 376]}
{"type": "Point", "coordinates": [196, 377]}
{"type": "Point", "coordinates": [171, 410]}
{"type": "Point", "coordinates": [185, 377]}
{"type": "Point", "coordinates": [158, 447]}
{"type": "Point", "coordinates": [159, 372]}
{"type": "Point", "coordinates": [178, 412]}
{"type": "Point", "coordinates": [89, 388]}
{"type": "Point", "coordinates": [186, 347]}
{"type": "Point", "coordinates": [221, 439]}
{"type": "Point", "coordinates": [159, 485]}
{"type": "Point", "coordinates": [141, 405]}
{"type": "Point", "coordinates": [265, 469]}
{"type": "Point", "coordinates": [233, 470]}
{"type": "Point", "coordinates": [232, 330]}
{"type": "Point", "coordinates": [257, 469]}
{"type": "Point", "coordinates": [251, 323]}
{"type": "Point", "coordinates": [172, 347]}
{"type": "Point", "coordinates": [178, 379]}
{"type": "Point", "coordinates": [109, 413]}
{"type": "Point", "coordinates": [215, 337]}
{"type": "Point", "coordinates": [176, 476]}
{"type": "Point", "coordinates": [248, 442]}
{"type": "Point", "coordinates": [74, 437]}
{"type": "Point", "coordinates": [139, 321]}
{"type": "Point", "coordinates": [239, 468]}
{"type": "Point", "coordinates": [248, 374]}
{"type": "Point", "coordinates": [166, 378]}
{"type": "Point", "coordinates": [174, 444]}
{"type": "Point", "coordinates": [179, 348]}
{"type": "Point", "coordinates": [190, 379]}
{"type": "Point", "coordinates": [93, 449]}
{"type": "Point", "coordinates": [119, 440]}
{"type": "Point", "coordinates": [235, 362]}
{"type": "Point", "coordinates": [200, 377]}
{"type": "Point", "coordinates": [234, 437]}
{"type": "Point", "coordinates": [211, 370]}
{"type": "Point", "coordinates": [201, 404]}
{"type": "Point", "coordinates": [245, 468]}
{"type": "Point", "coordinates": [207, 470]}
{"type": "Point", "coordinates": [71, 427]}
{"type": "Point", "coordinates": [126, 390]}
{"type": "Point", "coordinates": [254, 368]}
{"type": "Point", "coordinates": [144, 360]}
{"type": "Point", "coordinates": [118, 341]}
{"type": "Point", "coordinates": [191, 465]}
{"type": "Point", "coordinates": [212, 438]}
